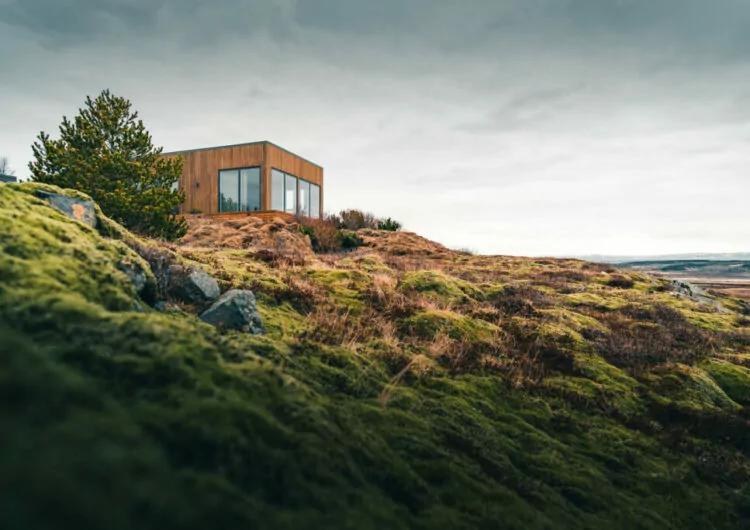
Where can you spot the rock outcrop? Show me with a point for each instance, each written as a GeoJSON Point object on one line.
{"type": "Point", "coordinates": [198, 287]}
{"type": "Point", "coordinates": [236, 310]}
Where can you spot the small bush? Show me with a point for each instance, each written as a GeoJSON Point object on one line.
{"type": "Point", "coordinates": [389, 224]}
{"type": "Point", "coordinates": [350, 241]}
{"type": "Point", "coordinates": [323, 234]}
{"type": "Point", "coordinates": [356, 220]}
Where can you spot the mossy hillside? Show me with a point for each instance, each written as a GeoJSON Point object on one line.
{"type": "Point", "coordinates": [44, 253]}
{"type": "Point", "coordinates": [147, 420]}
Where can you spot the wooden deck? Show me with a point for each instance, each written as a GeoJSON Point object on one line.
{"type": "Point", "coordinates": [266, 215]}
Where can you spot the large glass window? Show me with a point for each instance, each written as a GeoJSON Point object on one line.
{"type": "Point", "coordinates": [239, 190]}
{"type": "Point", "coordinates": [229, 190]}
{"type": "Point", "coordinates": [277, 190]}
{"type": "Point", "coordinates": [314, 200]}
{"type": "Point", "coordinates": [250, 189]}
{"type": "Point", "coordinates": [293, 195]}
{"type": "Point", "coordinates": [304, 198]}
{"type": "Point", "coordinates": [290, 195]}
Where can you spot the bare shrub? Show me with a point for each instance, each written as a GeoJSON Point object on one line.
{"type": "Point", "coordinates": [334, 327]}
{"type": "Point", "coordinates": [323, 233]}
{"type": "Point", "coordinates": [599, 267]}
{"type": "Point", "coordinates": [520, 299]}
{"type": "Point", "coordinates": [301, 293]}
{"type": "Point", "coordinates": [354, 219]}
{"type": "Point", "coordinates": [534, 354]}
{"type": "Point", "coordinates": [652, 336]}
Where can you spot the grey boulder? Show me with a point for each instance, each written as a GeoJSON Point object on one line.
{"type": "Point", "coordinates": [236, 310]}
{"type": "Point", "coordinates": [78, 209]}
{"type": "Point", "coordinates": [135, 273]}
{"type": "Point", "coordinates": [199, 287]}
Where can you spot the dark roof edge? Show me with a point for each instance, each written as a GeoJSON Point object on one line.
{"type": "Point", "coordinates": [242, 145]}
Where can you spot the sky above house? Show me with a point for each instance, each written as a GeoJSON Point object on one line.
{"type": "Point", "coordinates": [528, 127]}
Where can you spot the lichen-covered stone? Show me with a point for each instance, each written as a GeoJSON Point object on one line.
{"type": "Point", "coordinates": [78, 209]}
{"type": "Point", "coordinates": [236, 310]}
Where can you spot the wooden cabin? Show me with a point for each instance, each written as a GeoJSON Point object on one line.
{"type": "Point", "coordinates": [257, 178]}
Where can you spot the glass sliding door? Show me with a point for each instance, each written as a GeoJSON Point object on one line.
{"type": "Point", "coordinates": [314, 200]}
{"type": "Point", "coordinates": [277, 190]}
{"type": "Point", "coordinates": [290, 196]}
{"type": "Point", "coordinates": [229, 190]}
{"type": "Point", "coordinates": [304, 198]}
{"type": "Point", "coordinates": [250, 189]}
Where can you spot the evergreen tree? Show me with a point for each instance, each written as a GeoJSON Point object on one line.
{"type": "Point", "coordinates": [107, 153]}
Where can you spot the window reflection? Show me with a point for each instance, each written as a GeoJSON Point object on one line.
{"type": "Point", "coordinates": [229, 190]}
{"type": "Point", "coordinates": [290, 195]}
{"type": "Point", "coordinates": [293, 195]}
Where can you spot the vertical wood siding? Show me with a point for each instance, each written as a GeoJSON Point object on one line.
{"type": "Point", "coordinates": [200, 174]}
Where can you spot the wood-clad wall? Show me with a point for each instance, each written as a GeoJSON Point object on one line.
{"type": "Point", "coordinates": [277, 158]}
{"type": "Point", "coordinates": [200, 174]}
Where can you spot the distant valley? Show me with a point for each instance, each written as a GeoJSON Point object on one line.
{"type": "Point", "coordinates": [729, 277]}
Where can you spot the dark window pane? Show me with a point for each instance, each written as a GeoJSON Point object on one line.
{"type": "Point", "coordinates": [314, 200]}
{"type": "Point", "coordinates": [290, 197]}
{"type": "Point", "coordinates": [277, 190]}
{"type": "Point", "coordinates": [229, 190]}
{"type": "Point", "coordinates": [250, 189]}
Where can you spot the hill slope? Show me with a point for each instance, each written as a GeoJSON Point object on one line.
{"type": "Point", "coordinates": [417, 390]}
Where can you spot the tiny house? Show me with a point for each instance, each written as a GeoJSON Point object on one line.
{"type": "Point", "coordinates": [8, 178]}
{"type": "Point", "coordinates": [258, 178]}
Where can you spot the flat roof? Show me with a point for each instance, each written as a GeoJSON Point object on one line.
{"type": "Point", "coordinates": [242, 145]}
{"type": "Point", "coordinates": [8, 178]}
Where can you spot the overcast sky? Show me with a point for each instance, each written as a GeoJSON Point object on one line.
{"type": "Point", "coordinates": [533, 127]}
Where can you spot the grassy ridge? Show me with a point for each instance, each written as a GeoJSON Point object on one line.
{"type": "Point", "coordinates": [445, 391]}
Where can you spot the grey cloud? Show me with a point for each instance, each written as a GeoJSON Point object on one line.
{"type": "Point", "coordinates": [688, 26]}
{"type": "Point", "coordinates": [525, 107]}
{"type": "Point", "coordinates": [72, 22]}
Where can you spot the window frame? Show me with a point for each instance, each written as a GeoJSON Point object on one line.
{"type": "Point", "coordinates": [298, 180]}
{"type": "Point", "coordinates": [239, 187]}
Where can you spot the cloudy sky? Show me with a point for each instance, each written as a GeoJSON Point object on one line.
{"type": "Point", "coordinates": [536, 127]}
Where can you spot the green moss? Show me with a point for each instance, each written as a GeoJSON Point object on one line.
{"type": "Point", "coordinates": [598, 384]}
{"type": "Point", "coordinates": [368, 263]}
{"type": "Point", "coordinates": [733, 379]}
{"type": "Point", "coordinates": [344, 287]}
{"type": "Point", "coordinates": [437, 286]}
{"type": "Point", "coordinates": [46, 252]}
{"type": "Point", "coordinates": [429, 323]}
{"type": "Point", "coordinates": [605, 302]}
{"type": "Point", "coordinates": [690, 388]}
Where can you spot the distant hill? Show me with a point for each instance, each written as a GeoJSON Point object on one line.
{"type": "Point", "coordinates": [696, 268]}
{"type": "Point", "coordinates": [604, 258]}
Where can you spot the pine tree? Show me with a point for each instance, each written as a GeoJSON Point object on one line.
{"type": "Point", "coordinates": [107, 153]}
